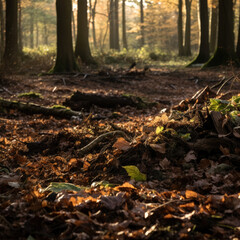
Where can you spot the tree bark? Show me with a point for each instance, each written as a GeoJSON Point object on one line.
{"type": "Point", "coordinates": [238, 42]}
{"type": "Point", "coordinates": [82, 44]}
{"type": "Point", "coordinates": [37, 33]}
{"type": "Point", "coordinates": [65, 61]}
{"type": "Point", "coordinates": [20, 44]}
{"type": "Point", "coordinates": [45, 32]}
{"type": "Point", "coordinates": [116, 26]}
{"type": "Point", "coordinates": [11, 42]}
{"type": "Point", "coordinates": [73, 27]}
{"type": "Point", "coordinates": [225, 52]}
{"type": "Point", "coordinates": [93, 12]}
{"type": "Point", "coordinates": [142, 41]}
{"type": "Point", "coordinates": [203, 55]}
{"type": "Point", "coordinates": [124, 34]}
{"type": "Point", "coordinates": [111, 23]}
{"type": "Point", "coordinates": [187, 46]}
{"type": "Point", "coordinates": [180, 29]}
{"type": "Point", "coordinates": [2, 31]}
{"type": "Point", "coordinates": [32, 29]}
{"type": "Point", "coordinates": [214, 25]}
{"type": "Point", "coordinates": [31, 108]}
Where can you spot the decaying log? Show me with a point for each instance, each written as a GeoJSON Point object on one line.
{"type": "Point", "coordinates": [31, 108]}
{"type": "Point", "coordinates": [81, 100]}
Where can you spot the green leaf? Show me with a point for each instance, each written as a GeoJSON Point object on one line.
{"type": "Point", "coordinates": [159, 130]}
{"type": "Point", "coordinates": [134, 173]}
{"type": "Point", "coordinates": [60, 186]}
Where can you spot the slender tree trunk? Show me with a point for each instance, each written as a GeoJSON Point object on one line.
{"type": "Point", "coordinates": [45, 32]}
{"type": "Point", "coordinates": [93, 12]}
{"type": "Point", "coordinates": [238, 42]}
{"type": "Point", "coordinates": [187, 46]}
{"type": "Point", "coordinates": [82, 44]}
{"type": "Point", "coordinates": [37, 34]}
{"type": "Point", "coordinates": [142, 41]}
{"type": "Point", "coordinates": [2, 30]}
{"type": "Point", "coordinates": [225, 52]}
{"type": "Point", "coordinates": [20, 44]}
{"type": "Point", "coordinates": [11, 44]}
{"type": "Point", "coordinates": [214, 25]}
{"type": "Point", "coordinates": [31, 30]}
{"type": "Point", "coordinates": [124, 35]}
{"type": "Point", "coordinates": [116, 26]}
{"type": "Point", "coordinates": [73, 27]}
{"type": "Point", "coordinates": [180, 29]}
{"type": "Point", "coordinates": [65, 61]}
{"type": "Point", "coordinates": [203, 55]}
{"type": "Point", "coordinates": [111, 23]}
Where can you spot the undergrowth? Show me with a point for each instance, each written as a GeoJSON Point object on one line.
{"type": "Point", "coordinates": [43, 57]}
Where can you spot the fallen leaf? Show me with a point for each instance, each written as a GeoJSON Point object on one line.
{"type": "Point", "coordinates": [134, 173]}
{"type": "Point", "coordinates": [161, 148]}
{"type": "Point", "coordinates": [191, 156]}
{"type": "Point", "coordinates": [122, 144]}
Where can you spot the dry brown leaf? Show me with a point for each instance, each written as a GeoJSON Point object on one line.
{"type": "Point", "coordinates": [161, 148]}
{"type": "Point", "coordinates": [165, 163]}
{"type": "Point", "coordinates": [191, 156]}
{"type": "Point", "coordinates": [224, 150]}
{"type": "Point", "coordinates": [122, 144]}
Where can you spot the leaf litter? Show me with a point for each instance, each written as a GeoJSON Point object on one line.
{"type": "Point", "coordinates": [134, 174]}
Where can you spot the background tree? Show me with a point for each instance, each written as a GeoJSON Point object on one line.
{"type": "Point", "coordinates": [142, 40]}
{"type": "Point", "coordinates": [11, 41]}
{"type": "Point", "coordinates": [114, 25]}
{"type": "Point", "coordinates": [180, 29]}
{"type": "Point", "coordinates": [225, 51]}
{"type": "Point", "coordinates": [214, 25]}
{"type": "Point", "coordinates": [203, 55]}
{"type": "Point", "coordinates": [124, 34]}
{"type": "Point", "coordinates": [2, 30]}
{"type": "Point", "coordinates": [82, 44]}
{"type": "Point", "coordinates": [65, 61]}
{"type": "Point", "coordinates": [187, 45]}
{"type": "Point", "coordinates": [92, 7]}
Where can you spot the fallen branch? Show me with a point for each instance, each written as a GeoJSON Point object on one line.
{"type": "Point", "coordinates": [31, 108]}
{"type": "Point", "coordinates": [81, 100]}
{"type": "Point", "coordinates": [99, 139]}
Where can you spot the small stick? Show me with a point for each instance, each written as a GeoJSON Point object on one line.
{"type": "Point", "coordinates": [97, 140]}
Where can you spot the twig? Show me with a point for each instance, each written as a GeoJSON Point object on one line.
{"type": "Point", "coordinates": [6, 90]}
{"type": "Point", "coordinates": [100, 138]}
{"type": "Point", "coordinates": [225, 82]}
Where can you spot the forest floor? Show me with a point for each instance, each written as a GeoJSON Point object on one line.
{"type": "Point", "coordinates": [145, 173]}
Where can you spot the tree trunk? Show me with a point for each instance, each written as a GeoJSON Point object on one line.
{"type": "Point", "coordinates": [93, 12]}
{"type": "Point", "coordinates": [20, 44]}
{"type": "Point", "coordinates": [124, 35]}
{"type": "Point", "coordinates": [2, 31]}
{"type": "Point", "coordinates": [111, 23]}
{"type": "Point", "coordinates": [116, 27]}
{"type": "Point", "coordinates": [203, 55]}
{"type": "Point", "coordinates": [142, 41]}
{"type": "Point", "coordinates": [214, 25]}
{"type": "Point", "coordinates": [180, 29]}
{"type": "Point", "coordinates": [11, 45]}
{"type": "Point", "coordinates": [31, 29]}
{"type": "Point", "coordinates": [187, 46]}
{"type": "Point", "coordinates": [225, 52]}
{"type": "Point", "coordinates": [238, 42]}
{"type": "Point", "coordinates": [37, 34]}
{"type": "Point", "coordinates": [82, 44]}
{"type": "Point", "coordinates": [65, 61]}
{"type": "Point", "coordinates": [45, 32]}
{"type": "Point", "coordinates": [73, 27]}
